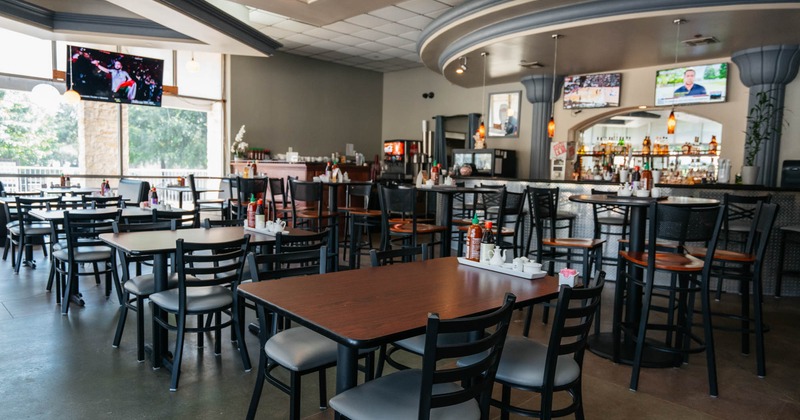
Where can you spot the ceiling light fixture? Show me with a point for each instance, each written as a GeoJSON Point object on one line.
{"type": "Point", "coordinates": [482, 126]}
{"type": "Point", "coordinates": [672, 122]}
{"type": "Point", "coordinates": [463, 66]}
{"type": "Point", "coordinates": [192, 66]}
{"type": "Point", "coordinates": [551, 125]}
{"type": "Point", "coordinates": [71, 96]}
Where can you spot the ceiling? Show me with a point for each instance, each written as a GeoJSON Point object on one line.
{"type": "Point", "coordinates": [390, 35]}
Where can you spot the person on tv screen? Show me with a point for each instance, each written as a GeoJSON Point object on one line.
{"type": "Point", "coordinates": [121, 81]}
{"type": "Point", "coordinates": [689, 88]}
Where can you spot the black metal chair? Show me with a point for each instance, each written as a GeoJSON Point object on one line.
{"type": "Point", "coordinates": [210, 223]}
{"type": "Point", "coordinates": [455, 392]}
{"type": "Point", "coordinates": [547, 369]}
{"type": "Point", "coordinates": [208, 278]}
{"type": "Point", "coordinates": [95, 202]}
{"type": "Point", "coordinates": [561, 216]}
{"type": "Point", "coordinates": [747, 270]}
{"type": "Point", "coordinates": [315, 215]}
{"type": "Point", "coordinates": [740, 211]}
{"type": "Point", "coordinates": [29, 231]}
{"type": "Point", "coordinates": [359, 219]}
{"type": "Point", "coordinates": [280, 206]}
{"type": "Point", "coordinates": [510, 209]}
{"type": "Point", "coordinates": [247, 188]}
{"type": "Point", "coordinates": [399, 219]}
{"type": "Point", "coordinates": [84, 246]}
{"type": "Point", "coordinates": [133, 191]}
{"type": "Point", "coordinates": [691, 277]}
{"type": "Point", "coordinates": [184, 219]}
{"type": "Point", "coordinates": [206, 204]}
{"type": "Point", "coordinates": [140, 287]}
{"type": "Point", "coordinates": [610, 220]}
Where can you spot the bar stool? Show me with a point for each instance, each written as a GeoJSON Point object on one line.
{"type": "Point", "coordinates": [403, 202]}
{"type": "Point", "coordinates": [359, 219]}
{"type": "Point", "coordinates": [561, 216]}
{"type": "Point", "coordinates": [607, 219]}
{"type": "Point", "coordinates": [740, 213]}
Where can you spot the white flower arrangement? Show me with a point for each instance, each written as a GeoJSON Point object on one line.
{"type": "Point", "coordinates": [239, 146]}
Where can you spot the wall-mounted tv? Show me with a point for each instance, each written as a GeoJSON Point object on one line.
{"type": "Point", "coordinates": [692, 85]}
{"type": "Point", "coordinates": [113, 77]}
{"type": "Point", "coordinates": [592, 91]}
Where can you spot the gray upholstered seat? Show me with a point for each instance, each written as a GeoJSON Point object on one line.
{"type": "Point", "coordinates": [89, 254]}
{"type": "Point", "coordinates": [31, 229]}
{"type": "Point", "coordinates": [396, 397]}
{"type": "Point", "coordinates": [145, 284]}
{"type": "Point", "coordinates": [301, 349]}
{"type": "Point", "coordinates": [523, 362]}
{"type": "Point", "coordinates": [610, 220]}
{"type": "Point", "coordinates": [417, 344]}
{"type": "Point", "coordinates": [198, 299]}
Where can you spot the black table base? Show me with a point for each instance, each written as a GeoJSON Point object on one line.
{"type": "Point", "coordinates": [603, 345]}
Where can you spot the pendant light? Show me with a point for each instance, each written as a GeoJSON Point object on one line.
{"type": "Point", "coordinates": [192, 66]}
{"type": "Point", "coordinates": [551, 125]}
{"type": "Point", "coordinates": [482, 126]}
{"type": "Point", "coordinates": [671, 121]}
{"type": "Point", "coordinates": [71, 96]}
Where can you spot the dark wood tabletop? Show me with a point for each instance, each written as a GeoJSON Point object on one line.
{"type": "Point", "coordinates": [375, 305]}
{"type": "Point", "coordinates": [611, 199]}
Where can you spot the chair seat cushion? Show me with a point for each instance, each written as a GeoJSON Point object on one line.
{"type": "Point", "coordinates": [85, 254]}
{"type": "Point", "coordinates": [573, 242]}
{"type": "Point", "coordinates": [300, 349]}
{"type": "Point", "coordinates": [609, 220]}
{"type": "Point", "coordinates": [421, 228]}
{"type": "Point", "coordinates": [666, 261]}
{"type": "Point", "coordinates": [722, 255]}
{"type": "Point", "coordinates": [523, 361]}
{"type": "Point", "coordinates": [791, 228]}
{"type": "Point", "coordinates": [198, 299]}
{"type": "Point", "coordinates": [396, 396]}
{"type": "Point", "coordinates": [31, 229]}
{"type": "Point", "coordinates": [417, 344]}
{"type": "Point", "coordinates": [504, 232]}
{"type": "Point", "coordinates": [145, 285]}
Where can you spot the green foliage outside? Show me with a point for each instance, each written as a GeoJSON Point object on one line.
{"type": "Point", "coordinates": [32, 135]}
{"type": "Point", "coordinates": [167, 138]}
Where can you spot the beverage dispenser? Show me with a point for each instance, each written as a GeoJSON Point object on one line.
{"type": "Point", "coordinates": [402, 157]}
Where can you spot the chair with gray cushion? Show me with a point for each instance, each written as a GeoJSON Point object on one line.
{"type": "Point", "coordinates": [527, 365]}
{"type": "Point", "coordinates": [438, 390]}
{"type": "Point", "coordinates": [28, 231]}
{"type": "Point", "coordinates": [208, 278]}
{"type": "Point", "coordinates": [133, 191]}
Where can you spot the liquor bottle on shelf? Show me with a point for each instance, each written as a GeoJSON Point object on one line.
{"type": "Point", "coordinates": [474, 236]}
{"type": "Point", "coordinates": [712, 147]}
{"type": "Point", "coordinates": [646, 145]}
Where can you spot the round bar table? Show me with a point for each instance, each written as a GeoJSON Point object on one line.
{"type": "Point", "coordinates": [602, 344]}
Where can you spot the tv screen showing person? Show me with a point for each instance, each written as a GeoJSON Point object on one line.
{"type": "Point", "coordinates": [698, 84]}
{"type": "Point", "coordinates": [690, 88]}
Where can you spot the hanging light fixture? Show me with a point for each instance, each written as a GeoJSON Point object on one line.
{"type": "Point", "coordinates": [71, 96]}
{"type": "Point", "coordinates": [192, 66]}
{"type": "Point", "coordinates": [463, 66]}
{"type": "Point", "coordinates": [671, 121]}
{"type": "Point", "coordinates": [482, 126]}
{"type": "Point", "coordinates": [551, 125]}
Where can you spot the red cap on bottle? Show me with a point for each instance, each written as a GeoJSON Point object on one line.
{"type": "Point", "coordinates": [488, 224]}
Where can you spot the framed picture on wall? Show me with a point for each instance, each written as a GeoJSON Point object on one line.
{"type": "Point", "coordinates": [503, 114]}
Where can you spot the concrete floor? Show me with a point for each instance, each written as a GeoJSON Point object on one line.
{"type": "Point", "coordinates": [64, 366]}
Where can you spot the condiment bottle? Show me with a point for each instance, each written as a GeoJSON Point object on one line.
{"type": "Point", "coordinates": [254, 169]}
{"type": "Point", "coordinates": [487, 243]}
{"type": "Point", "coordinates": [153, 197]}
{"type": "Point", "coordinates": [63, 180]}
{"type": "Point", "coordinates": [474, 236]}
{"type": "Point", "coordinates": [647, 177]}
{"type": "Point", "coordinates": [246, 173]}
{"type": "Point", "coordinates": [251, 212]}
{"type": "Point", "coordinates": [261, 219]}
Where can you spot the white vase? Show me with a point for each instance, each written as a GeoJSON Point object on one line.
{"type": "Point", "coordinates": [749, 175]}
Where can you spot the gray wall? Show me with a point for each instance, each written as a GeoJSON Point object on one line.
{"type": "Point", "coordinates": [313, 106]}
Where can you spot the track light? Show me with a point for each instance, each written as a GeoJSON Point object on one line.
{"type": "Point", "coordinates": [463, 67]}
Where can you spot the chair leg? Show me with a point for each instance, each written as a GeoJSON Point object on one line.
{"type": "Point", "coordinates": [123, 315]}
{"type": "Point", "coordinates": [744, 290]}
{"type": "Point", "coordinates": [237, 314]}
{"type": "Point", "coordinates": [640, 337]}
{"type": "Point", "coordinates": [294, 396]}
{"type": "Point", "coordinates": [72, 275]}
{"type": "Point", "coordinates": [781, 256]}
{"type": "Point", "coordinates": [256, 398]}
{"type": "Point", "coordinates": [6, 247]}
{"type": "Point", "coordinates": [177, 356]}
{"type": "Point", "coordinates": [323, 389]}
{"type": "Point", "coordinates": [20, 251]}
{"type": "Point", "coordinates": [761, 368]}
{"type": "Point", "coordinates": [711, 360]}
{"type": "Point", "coordinates": [381, 361]}
{"type": "Point", "coordinates": [506, 395]}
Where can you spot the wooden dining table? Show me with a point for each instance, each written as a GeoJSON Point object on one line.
{"type": "Point", "coordinates": [161, 243]}
{"type": "Point", "coordinates": [377, 305]}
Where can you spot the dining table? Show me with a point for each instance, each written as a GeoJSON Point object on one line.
{"type": "Point", "coordinates": [161, 243]}
{"type": "Point", "coordinates": [64, 191]}
{"type": "Point", "coordinates": [373, 306]}
{"type": "Point", "coordinates": [603, 344]}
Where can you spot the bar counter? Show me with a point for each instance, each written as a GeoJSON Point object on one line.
{"type": "Point", "coordinates": [788, 214]}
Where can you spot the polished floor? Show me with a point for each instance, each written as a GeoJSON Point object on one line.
{"type": "Point", "coordinates": [54, 366]}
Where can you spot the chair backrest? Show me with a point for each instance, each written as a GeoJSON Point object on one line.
{"type": "Point", "coordinates": [684, 224]}
{"type": "Point", "coordinates": [82, 229]}
{"type": "Point", "coordinates": [486, 200]}
{"type": "Point", "coordinates": [193, 187]}
{"type": "Point", "coordinates": [132, 190]}
{"type": "Point", "coordinates": [185, 219]}
{"type": "Point", "coordinates": [575, 312]}
{"type": "Point", "coordinates": [543, 209]}
{"type": "Point", "coordinates": [400, 201]}
{"type": "Point", "coordinates": [94, 202]}
{"type": "Point", "coordinates": [287, 264]}
{"type": "Point", "coordinates": [208, 223]}
{"type": "Point", "coordinates": [25, 204]}
{"type": "Point", "coordinates": [225, 192]}
{"type": "Point", "coordinates": [511, 204]}
{"type": "Point", "coordinates": [203, 264]}
{"type": "Point", "coordinates": [285, 242]}
{"type": "Point", "coordinates": [477, 379]}
{"type": "Point", "coordinates": [395, 256]}
{"type": "Point", "coordinates": [361, 191]}
{"type": "Point", "coordinates": [607, 210]}
{"type": "Point", "coordinates": [758, 238]}
{"type": "Point", "coordinates": [124, 257]}
{"type": "Point", "coordinates": [741, 210]}
{"type": "Point", "coordinates": [309, 192]}
{"type": "Point", "coordinates": [247, 187]}
{"type": "Point", "coordinates": [277, 190]}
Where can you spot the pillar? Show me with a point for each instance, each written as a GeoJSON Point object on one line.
{"type": "Point", "coordinates": [768, 69]}
{"type": "Point", "coordinates": [538, 89]}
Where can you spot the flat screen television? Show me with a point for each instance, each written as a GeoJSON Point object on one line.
{"type": "Point", "coordinates": [702, 84]}
{"type": "Point", "coordinates": [592, 91]}
{"type": "Point", "coordinates": [113, 77]}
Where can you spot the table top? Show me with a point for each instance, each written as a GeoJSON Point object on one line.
{"type": "Point", "coordinates": [69, 190]}
{"type": "Point", "coordinates": [641, 201]}
{"type": "Point", "coordinates": [376, 305]}
{"type": "Point", "coordinates": [186, 188]}
{"type": "Point", "coordinates": [447, 189]}
{"type": "Point", "coordinates": [343, 183]}
{"type": "Point", "coordinates": [162, 241]}
{"type": "Point", "coordinates": [56, 215]}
